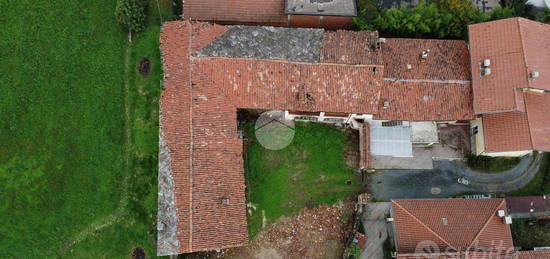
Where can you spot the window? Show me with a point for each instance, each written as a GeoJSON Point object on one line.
{"type": "Point", "coordinates": [475, 130]}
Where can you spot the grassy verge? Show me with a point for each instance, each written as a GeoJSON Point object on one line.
{"type": "Point", "coordinates": [540, 184]}
{"type": "Point", "coordinates": [492, 164]}
{"type": "Point", "coordinates": [529, 233]}
{"type": "Point", "coordinates": [137, 227]}
{"type": "Point", "coordinates": [309, 172]}
{"type": "Point", "coordinates": [62, 121]}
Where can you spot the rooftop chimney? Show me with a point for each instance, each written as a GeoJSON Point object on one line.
{"type": "Point", "coordinates": [501, 213]}
{"type": "Point", "coordinates": [485, 72]}
{"type": "Point", "coordinates": [486, 63]}
{"type": "Point", "coordinates": [424, 54]}
{"type": "Point", "coordinates": [534, 74]}
{"type": "Point", "coordinates": [386, 104]}
{"type": "Point", "coordinates": [508, 220]}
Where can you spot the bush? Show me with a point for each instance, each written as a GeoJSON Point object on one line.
{"type": "Point", "coordinates": [492, 164]}
{"type": "Point", "coordinates": [441, 19]}
{"type": "Point", "coordinates": [131, 14]}
{"type": "Point", "coordinates": [544, 16]}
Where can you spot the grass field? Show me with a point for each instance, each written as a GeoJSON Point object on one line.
{"type": "Point", "coordinates": [309, 172]}
{"type": "Point", "coordinates": [492, 164]}
{"type": "Point", "coordinates": [65, 152]}
{"type": "Point", "coordinates": [529, 233]}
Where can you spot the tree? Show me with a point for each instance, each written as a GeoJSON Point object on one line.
{"type": "Point", "coordinates": [502, 13]}
{"type": "Point", "coordinates": [463, 14]}
{"type": "Point", "coordinates": [522, 8]}
{"type": "Point", "coordinates": [544, 16]}
{"type": "Point", "coordinates": [131, 14]}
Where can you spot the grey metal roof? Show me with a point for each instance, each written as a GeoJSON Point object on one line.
{"type": "Point", "coordinates": [322, 7]}
{"type": "Point", "coordinates": [301, 45]}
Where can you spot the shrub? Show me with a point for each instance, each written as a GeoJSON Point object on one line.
{"type": "Point", "coordinates": [544, 16]}
{"type": "Point", "coordinates": [131, 14]}
{"type": "Point", "coordinates": [440, 19]}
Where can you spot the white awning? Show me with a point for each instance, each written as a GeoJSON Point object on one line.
{"type": "Point", "coordinates": [392, 141]}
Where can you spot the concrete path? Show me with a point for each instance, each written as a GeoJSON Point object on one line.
{"type": "Point", "coordinates": [442, 181]}
{"type": "Point", "coordinates": [376, 229]}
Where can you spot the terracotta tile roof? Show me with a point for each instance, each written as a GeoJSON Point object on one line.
{"type": "Point", "coordinates": [506, 254]}
{"type": "Point", "coordinates": [262, 84]}
{"type": "Point", "coordinates": [198, 117]}
{"type": "Point", "coordinates": [541, 254]}
{"type": "Point", "coordinates": [447, 59]}
{"type": "Point", "coordinates": [425, 101]}
{"type": "Point", "coordinates": [515, 47]}
{"type": "Point", "coordinates": [236, 11]}
{"type": "Point", "coordinates": [538, 113]}
{"type": "Point", "coordinates": [351, 48]}
{"type": "Point", "coordinates": [458, 224]}
{"type": "Point", "coordinates": [507, 131]}
{"type": "Point", "coordinates": [204, 223]}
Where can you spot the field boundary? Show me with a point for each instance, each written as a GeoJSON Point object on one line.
{"type": "Point", "coordinates": [125, 195]}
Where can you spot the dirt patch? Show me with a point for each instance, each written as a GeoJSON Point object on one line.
{"type": "Point", "coordinates": [144, 66]}
{"type": "Point", "coordinates": [351, 149]}
{"type": "Point", "coordinates": [315, 233]}
{"type": "Point", "coordinates": [138, 253]}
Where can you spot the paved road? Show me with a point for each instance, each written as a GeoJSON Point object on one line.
{"type": "Point", "coordinates": [376, 229]}
{"type": "Point", "coordinates": [441, 182]}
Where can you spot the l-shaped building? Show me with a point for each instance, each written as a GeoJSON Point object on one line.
{"type": "Point", "coordinates": [387, 88]}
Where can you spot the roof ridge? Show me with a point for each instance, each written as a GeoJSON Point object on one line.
{"type": "Point", "coordinates": [524, 57]}
{"type": "Point", "coordinates": [486, 224]}
{"type": "Point", "coordinates": [288, 61]}
{"type": "Point", "coordinates": [422, 223]}
{"type": "Point", "coordinates": [189, 25]}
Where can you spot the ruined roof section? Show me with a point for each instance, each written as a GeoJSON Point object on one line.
{"type": "Point", "coordinates": [263, 84]}
{"type": "Point", "coordinates": [322, 7]}
{"type": "Point", "coordinates": [204, 223]}
{"type": "Point", "coordinates": [507, 131]}
{"type": "Point", "coordinates": [354, 48]}
{"type": "Point", "coordinates": [303, 45]}
{"type": "Point", "coordinates": [515, 47]}
{"type": "Point", "coordinates": [538, 113]}
{"type": "Point", "coordinates": [446, 59]}
{"type": "Point", "coordinates": [237, 11]}
{"type": "Point", "coordinates": [419, 101]}
{"type": "Point", "coordinates": [451, 223]}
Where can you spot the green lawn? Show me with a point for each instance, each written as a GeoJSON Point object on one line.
{"type": "Point", "coordinates": [529, 233]}
{"type": "Point", "coordinates": [62, 130]}
{"type": "Point", "coordinates": [540, 184]}
{"type": "Point", "coordinates": [492, 164]}
{"type": "Point", "coordinates": [309, 172]}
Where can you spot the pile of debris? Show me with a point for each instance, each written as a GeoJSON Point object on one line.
{"type": "Point", "coordinates": [315, 233]}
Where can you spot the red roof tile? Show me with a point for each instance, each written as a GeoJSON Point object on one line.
{"type": "Point", "coordinates": [457, 224]}
{"type": "Point", "coordinates": [206, 154]}
{"type": "Point", "coordinates": [263, 84]}
{"type": "Point", "coordinates": [506, 132]}
{"type": "Point", "coordinates": [515, 47]}
{"type": "Point", "coordinates": [236, 11]}
{"type": "Point", "coordinates": [446, 60]}
{"type": "Point", "coordinates": [351, 48]}
{"type": "Point", "coordinates": [538, 113]}
{"type": "Point", "coordinates": [204, 223]}
{"type": "Point", "coordinates": [541, 254]}
{"type": "Point", "coordinates": [419, 101]}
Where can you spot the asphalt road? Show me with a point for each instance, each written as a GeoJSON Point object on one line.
{"type": "Point", "coordinates": [442, 181]}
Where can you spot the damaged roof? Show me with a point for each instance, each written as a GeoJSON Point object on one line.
{"type": "Point", "coordinates": [209, 74]}
{"type": "Point", "coordinates": [321, 7]}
